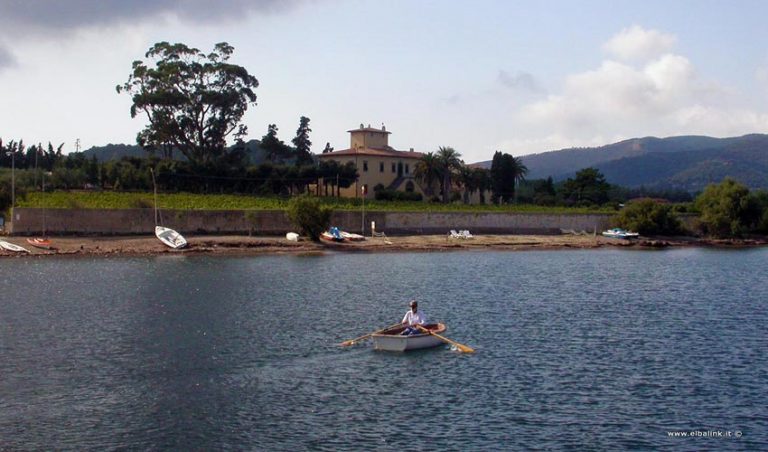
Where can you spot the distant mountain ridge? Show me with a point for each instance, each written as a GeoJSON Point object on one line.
{"type": "Point", "coordinates": [682, 162]}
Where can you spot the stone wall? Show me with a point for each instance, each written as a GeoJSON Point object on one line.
{"type": "Point", "coordinates": [28, 221]}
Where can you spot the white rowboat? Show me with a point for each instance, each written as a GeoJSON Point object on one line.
{"type": "Point", "coordinates": [170, 237]}
{"type": "Point", "coordinates": [11, 247]}
{"type": "Point", "coordinates": [392, 341]}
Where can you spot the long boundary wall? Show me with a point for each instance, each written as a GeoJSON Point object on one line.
{"type": "Point", "coordinates": [29, 221]}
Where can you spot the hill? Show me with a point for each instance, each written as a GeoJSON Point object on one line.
{"type": "Point", "coordinates": [256, 154]}
{"type": "Point", "coordinates": [683, 162]}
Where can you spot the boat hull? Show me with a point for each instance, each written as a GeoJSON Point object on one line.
{"type": "Point", "coordinates": [170, 237]}
{"type": "Point", "coordinates": [12, 247]}
{"type": "Point", "coordinates": [392, 341]}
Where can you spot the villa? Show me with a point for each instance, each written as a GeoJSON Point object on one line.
{"type": "Point", "coordinates": [377, 163]}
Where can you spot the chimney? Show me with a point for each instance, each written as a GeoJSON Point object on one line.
{"type": "Point", "coordinates": [383, 127]}
{"type": "Point", "coordinates": [361, 125]}
{"type": "Point", "coordinates": [369, 126]}
{"type": "Point", "coordinates": [411, 149]}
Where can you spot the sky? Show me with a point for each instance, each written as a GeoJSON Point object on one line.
{"type": "Point", "coordinates": [480, 76]}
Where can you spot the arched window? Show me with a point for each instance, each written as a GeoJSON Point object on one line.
{"type": "Point", "coordinates": [409, 187]}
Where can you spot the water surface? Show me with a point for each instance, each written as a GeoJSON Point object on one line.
{"type": "Point", "coordinates": [582, 350]}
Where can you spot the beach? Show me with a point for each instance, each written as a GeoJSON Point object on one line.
{"type": "Point", "coordinates": [245, 245]}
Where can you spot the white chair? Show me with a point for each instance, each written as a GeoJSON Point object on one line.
{"type": "Point", "coordinates": [455, 235]}
{"type": "Point", "coordinates": [465, 233]}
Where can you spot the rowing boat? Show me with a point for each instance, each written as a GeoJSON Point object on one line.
{"type": "Point", "coordinates": [391, 340]}
{"type": "Point", "coordinates": [12, 247]}
{"type": "Point", "coordinates": [170, 237]}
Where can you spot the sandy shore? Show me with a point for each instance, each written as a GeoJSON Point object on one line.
{"type": "Point", "coordinates": [244, 245]}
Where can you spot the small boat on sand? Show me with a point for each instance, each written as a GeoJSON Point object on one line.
{"type": "Point", "coordinates": [391, 340]}
{"type": "Point", "coordinates": [335, 234]}
{"type": "Point", "coordinates": [11, 247]}
{"type": "Point", "coordinates": [351, 237]}
{"type": "Point", "coordinates": [618, 233]}
{"type": "Point", "coordinates": [170, 237]}
{"type": "Point", "coordinates": [39, 242]}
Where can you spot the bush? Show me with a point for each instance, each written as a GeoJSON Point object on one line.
{"type": "Point", "coordinates": [649, 218]}
{"type": "Point", "coordinates": [395, 195]}
{"type": "Point", "coordinates": [727, 209]}
{"type": "Point", "coordinates": [309, 215]}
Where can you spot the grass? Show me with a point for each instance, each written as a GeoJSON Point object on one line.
{"type": "Point", "coordinates": [188, 201]}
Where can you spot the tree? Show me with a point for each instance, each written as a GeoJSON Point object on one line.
{"type": "Point", "coordinates": [302, 143]}
{"type": "Point", "coordinates": [727, 209]}
{"type": "Point", "coordinates": [449, 160]}
{"type": "Point", "coordinates": [193, 101]}
{"type": "Point", "coordinates": [649, 217]}
{"type": "Point", "coordinates": [588, 187]}
{"type": "Point", "coordinates": [506, 172]}
{"type": "Point", "coordinates": [427, 171]}
{"type": "Point", "coordinates": [276, 150]}
{"type": "Point", "coordinates": [309, 215]}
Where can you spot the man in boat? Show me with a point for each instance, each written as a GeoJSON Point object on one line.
{"type": "Point", "coordinates": [412, 318]}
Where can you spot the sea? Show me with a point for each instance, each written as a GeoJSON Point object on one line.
{"type": "Point", "coordinates": [599, 349]}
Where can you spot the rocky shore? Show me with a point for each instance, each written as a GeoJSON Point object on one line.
{"type": "Point", "coordinates": [244, 245]}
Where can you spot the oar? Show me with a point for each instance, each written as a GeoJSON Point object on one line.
{"type": "Point", "coordinates": [358, 339]}
{"type": "Point", "coordinates": [461, 347]}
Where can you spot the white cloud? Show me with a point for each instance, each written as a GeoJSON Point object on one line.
{"type": "Point", "coordinates": [638, 44]}
{"type": "Point", "coordinates": [660, 96]}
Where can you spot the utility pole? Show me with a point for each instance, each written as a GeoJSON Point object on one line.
{"type": "Point", "coordinates": [13, 181]}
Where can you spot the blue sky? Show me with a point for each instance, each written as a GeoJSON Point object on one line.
{"type": "Point", "coordinates": [516, 76]}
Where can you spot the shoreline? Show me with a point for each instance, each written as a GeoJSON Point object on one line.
{"type": "Point", "coordinates": [257, 245]}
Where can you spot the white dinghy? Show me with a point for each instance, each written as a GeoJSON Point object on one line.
{"type": "Point", "coordinates": [170, 237]}
{"type": "Point", "coordinates": [11, 247]}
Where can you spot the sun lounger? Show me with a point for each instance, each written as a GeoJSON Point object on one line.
{"type": "Point", "coordinates": [465, 234]}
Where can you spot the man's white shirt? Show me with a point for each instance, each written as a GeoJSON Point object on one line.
{"type": "Point", "coordinates": [413, 319]}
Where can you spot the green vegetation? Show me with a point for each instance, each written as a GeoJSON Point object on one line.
{"type": "Point", "coordinates": [309, 215]}
{"type": "Point", "coordinates": [193, 101]}
{"type": "Point", "coordinates": [649, 217]}
{"type": "Point", "coordinates": [728, 209]}
{"type": "Point", "coordinates": [191, 201]}
{"type": "Point", "coordinates": [506, 172]}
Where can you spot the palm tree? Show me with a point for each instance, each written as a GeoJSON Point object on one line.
{"type": "Point", "coordinates": [450, 161]}
{"type": "Point", "coordinates": [519, 172]}
{"type": "Point", "coordinates": [427, 171]}
{"type": "Point", "coordinates": [482, 181]}
{"type": "Point", "coordinates": [467, 181]}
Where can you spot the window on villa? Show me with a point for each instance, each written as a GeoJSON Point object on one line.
{"type": "Point", "coordinates": [381, 167]}
{"type": "Point", "coordinates": [407, 170]}
{"type": "Point", "coordinates": [394, 168]}
{"type": "Point", "coordinates": [365, 165]}
{"type": "Point", "coordinates": [409, 187]}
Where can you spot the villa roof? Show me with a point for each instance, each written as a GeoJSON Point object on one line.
{"type": "Point", "coordinates": [375, 152]}
{"type": "Point", "coordinates": [369, 129]}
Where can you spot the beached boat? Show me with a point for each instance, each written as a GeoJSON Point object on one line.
{"type": "Point", "coordinates": [332, 235]}
{"type": "Point", "coordinates": [292, 237]}
{"type": "Point", "coordinates": [351, 237]}
{"type": "Point", "coordinates": [11, 247]}
{"type": "Point", "coordinates": [391, 340]}
{"type": "Point", "coordinates": [39, 242]}
{"type": "Point", "coordinates": [335, 234]}
{"type": "Point", "coordinates": [170, 237]}
{"type": "Point", "coordinates": [618, 233]}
